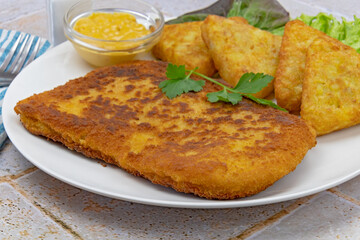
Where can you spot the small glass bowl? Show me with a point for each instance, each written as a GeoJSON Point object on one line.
{"type": "Point", "coordinates": [99, 52]}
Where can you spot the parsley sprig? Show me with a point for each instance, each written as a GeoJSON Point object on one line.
{"type": "Point", "coordinates": [179, 82]}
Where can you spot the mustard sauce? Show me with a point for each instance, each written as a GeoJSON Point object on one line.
{"type": "Point", "coordinates": [111, 26]}
{"type": "Point", "coordinates": [114, 37]}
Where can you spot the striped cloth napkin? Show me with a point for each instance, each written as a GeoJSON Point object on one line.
{"type": "Point", "coordinates": [7, 40]}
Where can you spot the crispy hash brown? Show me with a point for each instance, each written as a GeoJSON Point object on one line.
{"type": "Point", "coordinates": [331, 89]}
{"type": "Point", "coordinates": [290, 72]}
{"type": "Point", "coordinates": [181, 44]}
{"type": "Point", "coordinates": [237, 48]}
{"type": "Point", "coordinates": [218, 151]}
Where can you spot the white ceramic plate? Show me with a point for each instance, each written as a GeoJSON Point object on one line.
{"type": "Point", "coordinates": [334, 160]}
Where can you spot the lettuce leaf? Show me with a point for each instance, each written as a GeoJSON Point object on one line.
{"type": "Point", "coordinates": [188, 18]}
{"type": "Point", "coordinates": [220, 8]}
{"type": "Point", "coordinates": [267, 15]}
{"type": "Point", "coordinates": [347, 32]}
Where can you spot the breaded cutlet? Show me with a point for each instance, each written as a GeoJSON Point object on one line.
{"type": "Point", "coordinates": [214, 150]}
{"type": "Point", "coordinates": [181, 44]}
{"type": "Point", "coordinates": [331, 88]}
{"type": "Point", "coordinates": [237, 48]}
{"type": "Point", "coordinates": [292, 57]}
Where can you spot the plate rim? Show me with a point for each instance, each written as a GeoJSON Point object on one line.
{"type": "Point", "coordinates": [203, 204]}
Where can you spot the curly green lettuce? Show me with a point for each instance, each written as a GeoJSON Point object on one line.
{"type": "Point", "coordinates": [347, 32]}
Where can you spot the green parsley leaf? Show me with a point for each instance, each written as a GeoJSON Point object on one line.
{"type": "Point", "coordinates": [265, 102]}
{"type": "Point", "coordinates": [224, 96]}
{"type": "Point", "coordinates": [252, 83]}
{"type": "Point", "coordinates": [175, 87]}
{"type": "Point", "coordinates": [178, 82]}
{"type": "Point", "coordinates": [175, 72]}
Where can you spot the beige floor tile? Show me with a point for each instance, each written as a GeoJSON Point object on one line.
{"type": "Point", "coordinates": [178, 7]}
{"type": "Point", "coordinates": [346, 7]}
{"type": "Point", "coordinates": [96, 217]}
{"type": "Point", "coordinates": [325, 217]}
{"type": "Point", "coordinates": [21, 220]}
{"type": "Point", "coordinates": [33, 24]}
{"type": "Point", "coordinates": [310, 7]}
{"type": "Point", "coordinates": [12, 162]}
{"type": "Point", "coordinates": [351, 188]}
{"type": "Point", "coordinates": [20, 7]}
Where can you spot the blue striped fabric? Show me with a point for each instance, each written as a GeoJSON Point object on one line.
{"type": "Point", "coordinates": [7, 40]}
{"type": "Point", "coordinates": [3, 135]}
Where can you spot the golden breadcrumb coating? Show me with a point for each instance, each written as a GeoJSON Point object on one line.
{"type": "Point", "coordinates": [290, 72]}
{"type": "Point", "coordinates": [331, 89]}
{"type": "Point", "coordinates": [181, 44]}
{"type": "Point", "coordinates": [237, 48]}
{"type": "Point", "coordinates": [214, 150]}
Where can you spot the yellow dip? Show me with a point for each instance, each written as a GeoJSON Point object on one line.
{"type": "Point", "coordinates": [111, 26]}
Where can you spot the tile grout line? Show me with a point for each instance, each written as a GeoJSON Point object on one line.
{"type": "Point", "coordinates": [274, 218]}
{"type": "Point", "coordinates": [5, 179]}
{"type": "Point", "coordinates": [23, 173]}
{"type": "Point", "coordinates": [46, 212]}
{"type": "Point", "coordinates": [8, 178]}
{"type": "Point", "coordinates": [344, 196]}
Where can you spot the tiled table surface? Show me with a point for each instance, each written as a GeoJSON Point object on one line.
{"type": "Point", "coordinates": [35, 205]}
